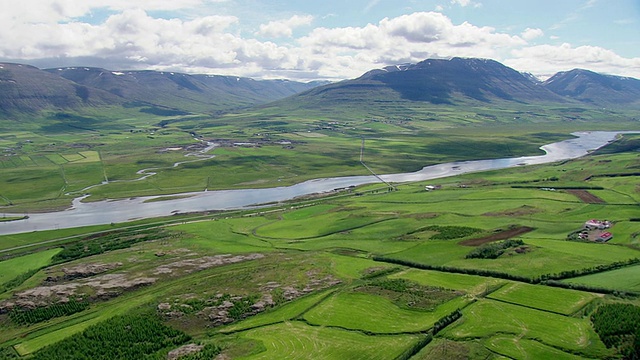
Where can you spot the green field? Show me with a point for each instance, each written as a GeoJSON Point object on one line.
{"type": "Point", "coordinates": [342, 276]}
{"type": "Point", "coordinates": [569, 334]}
{"type": "Point", "coordinates": [296, 340]}
{"type": "Point", "coordinates": [11, 268]}
{"type": "Point", "coordinates": [625, 279]}
{"type": "Point", "coordinates": [353, 311]}
{"type": "Point", "coordinates": [565, 302]}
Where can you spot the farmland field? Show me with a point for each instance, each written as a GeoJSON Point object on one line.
{"type": "Point", "coordinates": [569, 334]}
{"type": "Point", "coordinates": [352, 311]}
{"type": "Point", "coordinates": [297, 340]}
{"type": "Point", "coordinates": [565, 302]}
{"type": "Point", "coordinates": [626, 279]}
{"type": "Point", "coordinates": [11, 268]}
{"type": "Point", "coordinates": [317, 275]}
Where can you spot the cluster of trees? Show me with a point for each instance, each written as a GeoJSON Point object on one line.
{"type": "Point", "coordinates": [381, 272]}
{"type": "Point", "coordinates": [451, 232]}
{"type": "Point", "coordinates": [419, 345]}
{"type": "Point", "coordinates": [33, 316]}
{"type": "Point", "coordinates": [590, 288]}
{"type": "Point", "coordinates": [122, 337]}
{"type": "Point", "coordinates": [493, 250]}
{"type": "Point", "coordinates": [408, 294]}
{"type": "Point", "coordinates": [241, 306]}
{"type": "Point", "coordinates": [208, 352]}
{"type": "Point", "coordinates": [115, 240]}
{"type": "Point", "coordinates": [8, 353]}
{"type": "Point", "coordinates": [618, 325]}
{"type": "Point", "coordinates": [446, 321]}
{"type": "Point", "coordinates": [397, 285]}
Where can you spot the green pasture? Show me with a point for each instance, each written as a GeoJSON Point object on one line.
{"type": "Point", "coordinates": [441, 348]}
{"type": "Point", "coordinates": [317, 226]}
{"type": "Point", "coordinates": [489, 318]}
{"type": "Point", "coordinates": [223, 236]}
{"type": "Point", "coordinates": [471, 284]}
{"type": "Point", "coordinates": [287, 312]}
{"type": "Point", "coordinates": [556, 300]}
{"type": "Point", "coordinates": [624, 279]}
{"type": "Point", "coordinates": [118, 147]}
{"type": "Point", "coordinates": [296, 340]}
{"type": "Point", "coordinates": [543, 257]}
{"type": "Point", "coordinates": [351, 267]}
{"type": "Point", "coordinates": [351, 310]}
{"type": "Point", "coordinates": [11, 268]}
{"type": "Point", "coordinates": [516, 348]}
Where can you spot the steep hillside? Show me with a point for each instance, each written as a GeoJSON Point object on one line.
{"type": "Point", "coordinates": [201, 93]}
{"type": "Point", "coordinates": [27, 89]}
{"type": "Point", "coordinates": [593, 88]}
{"type": "Point", "coordinates": [445, 81]}
{"type": "Point", "coordinates": [438, 81]}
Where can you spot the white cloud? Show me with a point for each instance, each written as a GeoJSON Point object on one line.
{"type": "Point", "coordinates": [545, 60]}
{"type": "Point", "coordinates": [54, 11]}
{"type": "Point", "coordinates": [371, 5]}
{"type": "Point", "coordinates": [284, 28]}
{"type": "Point", "coordinates": [465, 3]}
{"type": "Point", "coordinates": [530, 34]}
{"type": "Point", "coordinates": [131, 38]}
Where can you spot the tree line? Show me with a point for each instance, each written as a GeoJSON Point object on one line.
{"type": "Point", "coordinates": [25, 316]}
{"type": "Point", "coordinates": [122, 337]}
{"type": "Point", "coordinates": [544, 279]}
{"type": "Point", "coordinates": [618, 326]}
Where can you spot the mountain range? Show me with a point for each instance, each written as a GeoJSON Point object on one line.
{"type": "Point", "coordinates": [463, 81]}
{"type": "Point", "coordinates": [26, 89]}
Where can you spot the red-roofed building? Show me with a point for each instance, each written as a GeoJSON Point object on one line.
{"type": "Point", "coordinates": [605, 236]}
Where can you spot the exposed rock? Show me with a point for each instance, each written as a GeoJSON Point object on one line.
{"type": "Point", "coordinates": [175, 314]}
{"type": "Point", "coordinates": [164, 306]}
{"type": "Point", "coordinates": [86, 270]}
{"type": "Point", "coordinates": [184, 350]}
{"type": "Point", "coordinates": [206, 262]}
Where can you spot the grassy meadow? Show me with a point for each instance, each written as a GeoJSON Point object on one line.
{"type": "Point", "coordinates": [365, 274]}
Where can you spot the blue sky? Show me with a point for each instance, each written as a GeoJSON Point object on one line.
{"type": "Point", "coordinates": [331, 39]}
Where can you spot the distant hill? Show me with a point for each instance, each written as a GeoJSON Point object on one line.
{"type": "Point", "coordinates": [465, 82]}
{"type": "Point", "coordinates": [444, 81]}
{"type": "Point", "coordinates": [26, 89]}
{"type": "Point", "coordinates": [452, 82]}
{"type": "Point", "coordinates": [202, 93]}
{"type": "Point", "coordinates": [437, 81]}
{"type": "Point", "coordinates": [593, 88]}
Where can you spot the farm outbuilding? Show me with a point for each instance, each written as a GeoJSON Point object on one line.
{"type": "Point", "coordinates": [605, 236]}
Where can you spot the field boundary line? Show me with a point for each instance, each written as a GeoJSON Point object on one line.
{"type": "Point", "coordinates": [525, 306]}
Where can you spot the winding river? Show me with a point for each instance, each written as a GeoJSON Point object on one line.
{"type": "Point", "coordinates": [113, 211]}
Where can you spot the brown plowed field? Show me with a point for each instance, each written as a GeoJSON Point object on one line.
{"type": "Point", "coordinates": [502, 235]}
{"type": "Point", "coordinates": [586, 196]}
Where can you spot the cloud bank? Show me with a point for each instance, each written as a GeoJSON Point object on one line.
{"type": "Point", "coordinates": [132, 36]}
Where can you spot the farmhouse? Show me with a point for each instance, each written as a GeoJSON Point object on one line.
{"type": "Point", "coordinates": [594, 224]}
